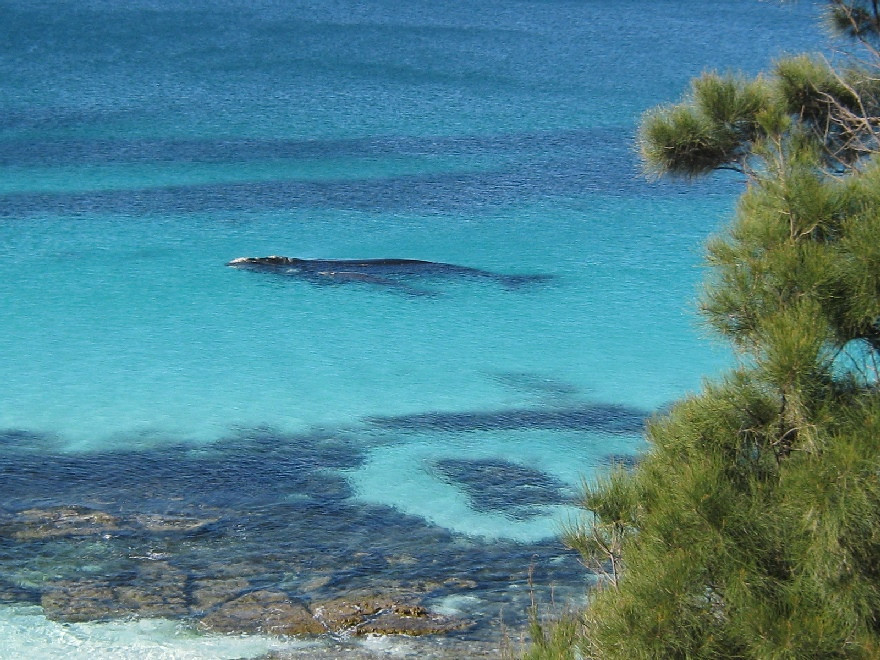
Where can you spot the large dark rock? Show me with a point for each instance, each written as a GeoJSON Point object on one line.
{"type": "Point", "coordinates": [349, 611]}
{"type": "Point", "coordinates": [342, 613]}
{"type": "Point", "coordinates": [275, 613]}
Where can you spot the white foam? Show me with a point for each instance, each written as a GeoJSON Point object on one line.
{"type": "Point", "coordinates": [26, 633]}
{"type": "Point", "coordinates": [456, 604]}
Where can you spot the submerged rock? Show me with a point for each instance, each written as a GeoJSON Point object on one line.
{"type": "Point", "coordinates": [402, 559]}
{"type": "Point", "coordinates": [398, 623]}
{"type": "Point", "coordinates": [190, 534]}
{"type": "Point", "coordinates": [275, 613]}
{"type": "Point", "coordinates": [75, 602]}
{"type": "Point", "coordinates": [209, 593]}
{"type": "Point", "coordinates": [316, 582]}
{"type": "Point", "coordinates": [157, 523]}
{"type": "Point", "coordinates": [148, 602]}
{"type": "Point", "coordinates": [60, 521]}
{"type": "Point", "coordinates": [347, 612]}
{"type": "Point", "coordinates": [75, 520]}
{"type": "Point", "coordinates": [383, 615]}
{"type": "Point", "coordinates": [269, 612]}
{"type": "Point", "coordinates": [13, 593]}
{"type": "Point", "coordinates": [157, 590]}
{"type": "Point", "coordinates": [460, 583]}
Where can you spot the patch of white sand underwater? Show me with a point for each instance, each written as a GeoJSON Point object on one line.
{"type": "Point", "coordinates": [401, 475]}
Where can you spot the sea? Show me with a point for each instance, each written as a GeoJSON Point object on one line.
{"type": "Point", "coordinates": [349, 429]}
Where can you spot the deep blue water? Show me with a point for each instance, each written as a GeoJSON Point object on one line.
{"type": "Point", "coordinates": [353, 433]}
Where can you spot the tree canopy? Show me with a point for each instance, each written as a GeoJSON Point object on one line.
{"type": "Point", "coordinates": [751, 528]}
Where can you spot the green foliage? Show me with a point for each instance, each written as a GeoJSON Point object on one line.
{"type": "Point", "coordinates": [751, 529]}
{"type": "Point", "coordinates": [728, 122]}
{"type": "Point", "coordinates": [712, 130]}
{"type": "Point", "coordinates": [613, 501]}
{"type": "Point", "coordinates": [859, 19]}
{"type": "Point", "coordinates": [808, 87]}
{"type": "Point", "coordinates": [555, 640]}
{"type": "Point", "coordinates": [836, 108]}
{"type": "Point", "coordinates": [748, 546]}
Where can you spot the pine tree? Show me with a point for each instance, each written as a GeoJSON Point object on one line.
{"type": "Point", "coordinates": [751, 529]}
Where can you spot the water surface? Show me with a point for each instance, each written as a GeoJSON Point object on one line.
{"type": "Point", "coordinates": [348, 436]}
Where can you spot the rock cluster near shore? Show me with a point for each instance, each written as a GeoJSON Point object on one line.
{"type": "Point", "coordinates": [275, 613]}
{"type": "Point", "coordinates": [218, 603]}
{"type": "Point", "coordinates": [266, 611]}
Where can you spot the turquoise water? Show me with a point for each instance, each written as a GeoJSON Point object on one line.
{"type": "Point", "coordinates": [447, 421]}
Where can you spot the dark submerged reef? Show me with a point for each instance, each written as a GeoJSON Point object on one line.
{"type": "Point", "coordinates": [598, 417]}
{"type": "Point", "coordinates": [503, 486]}
{"type": "Point", "coordinates": [260, 520]}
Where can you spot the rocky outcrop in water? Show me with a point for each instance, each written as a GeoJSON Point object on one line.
{"type": "Point", "coordinates": [383, 615]}
{"type": "Point", "coordinates": [275, 613]}
{"type": "Point", "coordinates": [230, 604]}
{"type": "Point", "coordinates": [265, 611]}
{"type": "Point", "coordinates": [162, 592]}
{"type": "Point", "coordinates": [396, 623]}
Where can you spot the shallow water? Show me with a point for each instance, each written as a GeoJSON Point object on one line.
{"type": "Point", "coordinates": [426, 435]}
